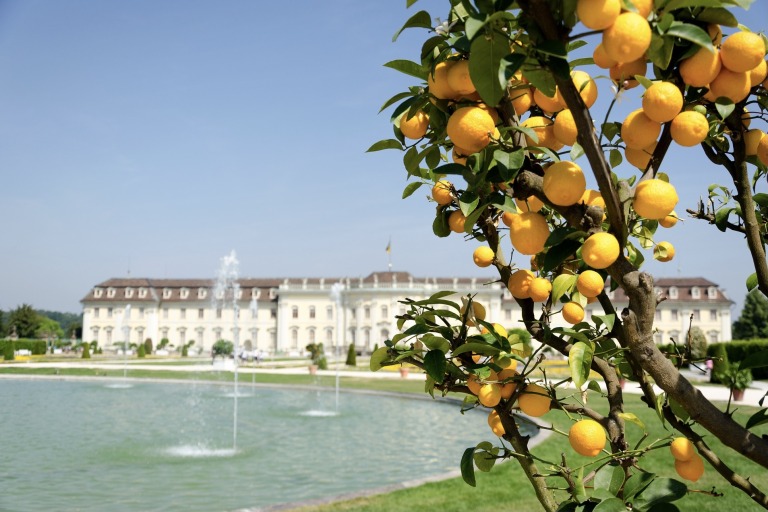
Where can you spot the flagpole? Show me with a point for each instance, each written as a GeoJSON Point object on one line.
{"type": "Point", "coordinates": [389, 254]}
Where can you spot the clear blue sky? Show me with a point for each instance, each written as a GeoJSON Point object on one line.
{"type": "Point", "coordinates": [153, 137]}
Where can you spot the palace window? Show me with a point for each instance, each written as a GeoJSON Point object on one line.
{"type": "Point", "coordinates": [128, 293]}
{"type": "Point", "coordinates": [673, 314]}
{"type": "Point", "coordinates": [183, 313]}
{"type": "Point", "coordinates": [109, 312]}
{"type": "Point", "coordinates": [273, 313]}
{"type": "Point", "coordinates": [111, 292]}
{"type": "Point", "coordinates": [201, 293]}
{"type": "Point", "coordinates": [97, 292]}
{"type": "Point", "coordinates": [218, 313]}
{"type": "Point", "coordinates": [184, 293]}
{"type": "Point", "coordinates": [200, 313]}
{"type": "Point", "coordinates": [713, 314]}
{"type": "Point", "coordinates": [166, 293]}
{"type": "Point", "coordinates": [95, 312]}
{"type": "Point", "coordinates": [142, 293]}
{"type": "Point", "coordinates": [295, 312]}
{"type": "Point", "coordinates": [141, 312]}
{"type": "Point", "coordinates": [696, 314]}
{"type": "Point", "coordinates": [673, 292]}
{"type": "Point", "coordinates": [329, 313]}
{"type": "Point", "coordinates": [367, 312]}
{"type": "Point", "coordinates": [384, 311]}
{"type": "Point", "coordinates": [696, 292]}
{"type": "Point", "coordinates": [311, 311]}
{"type": "Point", "coordinates": [165, 312]}
{"type": "Point", "coordinates": [712, 292]}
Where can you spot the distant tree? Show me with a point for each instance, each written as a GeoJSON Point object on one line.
{"type": "Point", "coordinates": [148, 345]}
{"type": "Point", "coordinates": [753, 322]}
{"type": "Point", "coordinates": [68, 321]}
{"type": "Point", "coordinates": [222, 348]}
{"type": "Point", "coordinates": [141, 351]}
{"type": "Point", "coordinates": [351, 355]}
{"type": "Point", "coordinates": [3, 327]}
{"type": "Point", "coordinates": [698, 344]}
{"type": "Point", "coordinates": [86, 351]}
{"type": "Point", "coordinates": [49, 329]}
{"type": "Point", "coordinates": [26, 320]}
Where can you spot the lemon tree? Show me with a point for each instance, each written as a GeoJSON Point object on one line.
{"type": "Point", "coordinates": [507, 95]}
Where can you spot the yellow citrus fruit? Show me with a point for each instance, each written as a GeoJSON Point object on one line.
{"type": "Point", "coordinates": [689, 128]}
{"type": "Point", "coordinates": [459, 79]}
{"type": "Point", "coordinates": [564, 183]}
{"type": "Point", "coordinates": [471, 128]}
{"type": "Point", "coordinates": [691, 469]}
{"type": "Point", "coordinates": [715, 33]}
{"type": "Point", "coordinates": [701, 68]}
{"type": "Point", "coordinates": [564, 129]}
{"type": "Point", "coordinates": [489, 395]}
{"type": "Point", "coordinates": [522, 100]}
{"type": "Point", "coordinates": [669, 221]}
{"type": "Point", "coordinates": [437, 81]}
{"type": "Point", "coordinates": [682, 449]}
{"type": "Point", "coordinates": [441, 192]}
{"type": "Point", "coordinates": [587, 437]}
{"type": "Point", "coordinates": [519, 283]}
{"type": "Point", "coordinates": [640, 158]}
{"type": "Point", "coordinates": [459, 155]}
{"type": "Point", "coordinates": [592, 197]}
{"type": "Point", "coordinates": [572, 312]}
{"type": "Point", "coordinates": [483, 256]}
{"type": "Point", "coordinates": [528, 231]}
{"type": "Point", "coordinates": [539, 289]}
{"type": "Point", "coordinates": [600, 250]}
{"type": "Point", "coordinates": [473, 383]}
{"type": "Point", "coordinates": [416, 126]}
{"type": "Point", "coordinates": [585, 85]}
{"type": "Point", "coordinates": [758, 73]}
{"type": "Point", "coordinates": [644, 7]}
{"type": "Point", "coordinates": [478, 310]}
{"type": "Point", "coordinates": [662, 101]}
{"type": "Point", "coordinates": [501, 331]}
{"type": "Point", "coordinates": [639, 131]}
{"type": "Point", "coordinates": [457, 221]}
{"type": "Point", "coordinates": [530, 204]}
{"type": "Point", "coordinates": [730, 84]}
{"type": "Point", "coordinates": [654, 199]}
{"type": "Point", "coordinates": [742, 51]}
{"type": "Point", "coordinates": [628, 38]}
{"type": "Point", "coordinates": [598, 14]}
{"type": "Point", "coordinates": [762, 150]}
{"type": "Point", "coordinates": [664, 251]}
{"type": "Point", "coordinates": [623, 73]}
{"type": "Point", "coordinates": [752, 140]}
{"type": "Point", "coordinates": [494, 421]}
{"type": "Point", "coordinates": [548, 103]}
{"type": "Point", "coordinates": [590, 283]}
{"type": "Point", "coordinates": [602, 60]}
{"type": "Point", "coordinates": [544, 130]}
{"type": "Point", "coordinates": [491, 111]}
{"type": "Point", "coordinates": [534, 400]}
{"type": "Point", "coordinates": [507, 388]}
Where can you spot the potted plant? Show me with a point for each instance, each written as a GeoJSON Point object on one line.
{"type": "Point", "coordinates": [317, 355]}
{"type": "Point", "coordinates": [736, 380]}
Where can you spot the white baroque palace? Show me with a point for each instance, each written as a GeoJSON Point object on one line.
{"type": "Point", "coordinates": [281, 316]}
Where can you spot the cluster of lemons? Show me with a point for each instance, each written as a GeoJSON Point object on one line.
{"type": "Point", "coordinates": [688, 463]}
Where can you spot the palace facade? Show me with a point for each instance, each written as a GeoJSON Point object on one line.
{"type": "Point", "coordinates": [282, 316]}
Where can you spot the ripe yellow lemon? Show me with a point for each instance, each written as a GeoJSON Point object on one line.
{"type": "Point", "coordinates": [644, 7]}
{"type": "Point", "coordinates": [457, 221]}
{"type": "Point", "coordinates": [539, 289]}
{"type": "Point", "coordinates": [669, 221]}
{"type": "Point", "coordinates": [437, 81]}
{"type": "Point", "coordinates": [530, 204]}
{"type": "Point", "coordinates": [507, 388]}
{"type": "Point", "coordinates": [691, 469]}
{"type": "Point", "coordinates": [640, 158]}
{"type": "Point", "coordinates": [682, 449]}
{"type": "Point", "coordinates": [528, 232]}
{"type": "Point", "coordinates": [654, 199]}
{"type": "Point", "coordinates": [602, 60]}
{"type": "Point", "coordinates": [762, 150]}
{"type": "Point", "coordinates": [522, 100]}
{"type": "Point", "coordinates": [483, 256]}
{"type": "Point", "coordinates": [494, 421]}
{"type": "Point", "coordinates": [628, 38]}
{"type": "Point", "coordinates": [758, 73]}
{"type": "Point", "coordinates": [548, 103]}
{"type": "Point", "coordinates": [662, 101]}
{"type": "Point", "coordinates": [587, 438]}
{"type": "Point", "coordinates": [689, 128]}
{"type": "Point", "coordinates": [519, 283]}
{"type": "Point", "coordinates": [459, 79]}
{"type": "Point", "coordinates": [742, 51]}
{"type": "Point", "coordinates": [501, 331]}
{"type": "Point", "coordinates": [592, 197]}
{"type": "Point", "coordinates": [441, 192]}
{"type": "Point", "coordinates": [585, 85]}
{"type": "Point", "coordinates": [600, 250]}
{"type": "Point", "coordinates": [564, 129]}
{"type": "Point", "coordinates": [701, 68]}
{"type": "Point", "coordinates": [664, 251]}
{"type": "Point", "coordinates": [598, 14]}
{"type": "Point", "coordinates": [752, 140]}
{"type": "Point", "coordinates": [416, 126]}
{"type": "Point", "coordinates": [572, 312]}
{"type": "Point", "coordinates": [639, 131]}
{"type": "Point", "coordinates": [590, 283]}
{"type": "Point", "coordinates": [489, 394]}
{"type": "Point", "coordinates": [473, 383]}
{"type": "Point", "coordinates": [459, 155]}
{"type": "Point", "coordinates": [534, 400]}
{"type": "Point", "coordinates": [478, 310]}
{"type": "Point", "coordinates": [544, 130]}
{"type": "Point", "coordinates": [471, 128]}
{"type": "Point", "coordinates": [564, 183]}
{"type": "Point", "coordinates": [623, 73]}
{"type": "Point", "coordinates": [715, 33]}
{"type": "Point", "coordinates": [730, 84]}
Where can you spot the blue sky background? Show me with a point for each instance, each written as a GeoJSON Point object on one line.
{"type": "Point", "coordinates": [153, 137]}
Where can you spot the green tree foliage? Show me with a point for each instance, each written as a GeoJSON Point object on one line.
{"type": "Point", "coordinates": [317, 355]}
{"type": "Point", "coordinates": [86, 351]}
{"type": "Point", "coordinates": [49, 329]}
{"type": "Point", "coordinates": [753, 321]}
{"type": "Point", "coordinates": [148, 346]}
{"type": "Point", "coordinates": [222, 348]}
{"type": "Point", "coordinates": [26, 321]}
{"type": "Point", "coordinates": [3, 325]}
{"type": "Point", "coordinates": [69, 322]}
{"type": "Point", "coordinates": [141, 352]}
{"type": "Point", "coordinates": [351, 355]}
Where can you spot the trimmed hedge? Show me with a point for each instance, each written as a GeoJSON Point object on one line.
{"type": "Point", "coordinates": [737, 351]}
{"type": "Point", "coordinates": [36, 347]}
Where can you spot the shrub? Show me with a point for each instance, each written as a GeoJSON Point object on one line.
{"type": "Point", "coordinates": [719, 359]}
{"type": "Point", "coordinates": [184, 351]}
{"type": "Point", "coordinates": [86, 351]}
{"type": "Point", "coordinates": [222, 348]}
{"type": "Point", "coordinates": [351, 355]}
{"type": "Point", "coordinates": [737, 351]}
{"type": "Point", "coordinates": [8, 351]}
{"type": "Point", "coordinates": [317, 354]}
{"type": "Point", "coordinates": [163, 343]}
{"type": "Point", "coordinates": [148, 346]}
{"type": "Point", "coordinates": [141, 351]}
{"type": "Point", "coordinates": [733, 378]}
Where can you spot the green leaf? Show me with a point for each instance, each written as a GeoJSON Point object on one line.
{"type": "Point", "coordinates": [411, 188]}
{"type": "Point", "coordinates": [724, 107]}
{"type": "Point", "coordinates": [645, 82]}
{"type": "Point", "coordinates": [579, 492]}
{"type": "Point", "coordinates": [409, 68]}
{"type": "Point", "coordinates": [637, 484]}
{"type": "Point", "coordinates": [752, 282]}
{"type": "Point", "coordinates": [559, 253]}
{"type": "Point", "coordinates": [385, 144]}
{"type": "Point", "coordinates": [541, 79]}
{"type": "Point", "coordinates": [594, 386]}
{"type": "Point", "coordinates": [484, 65]}
{"type": "Point", "coordinates": [485, 456]}
{"type": "Point", "coordinates": [468, 202]}
{"type": "Point", "coordinates": [433, 342]}
{"type": "Point", "coordinates": [719, 16]}
{"type": "Point", "coordinates": [440, 225]}
{"type": "Point", "coordinates": [509, 66]}
{"type": "Point", "coordinates": [758, 418]}
{"type": "Point", "coordinates": [510, 160]}
{"type": "Point", "coordinates": [468, 467]}
{"type": "Point", "coordinates": [576, 151]}
{"type": "Point", "coordinates": [411, 161]}
{"type": "Point", "coordinates": [610, 477]}
{"type": "Point", "coordinates": [632, 418]}
{"type": "Point", "coordinates": [421, 19]}
{"type": "Point", "coordinates": [678, 410]}
{"type": "Point", "coordinates": [563, 284]}
{"type": "Point", "coordinates": [721, 218]}
{"type": "Point", "coordinates": [755, 360]}
{"type": "Point", "coordinates": [580, 361]}
{"type": "Point", "coordinates": [661, 490]}
{"type": "Point", "coordinates": [611, 505]}
{"type": "Point", "coordinates": [434, 364]}
{"type": "Point", "coordinates": [394, 99]}
{"type": "Point", "coordinates": [607, 320]}
{"type": "Point", "coordinates": [451, 169]}
{"type": "Point", "coordinates": [660, 51]}
{"type": "Point", "coordinates": [378, 358]}
{"type": "Point", "coordinates": [478, 348]}
{"type": "Point", "coordinates": [692, 33]}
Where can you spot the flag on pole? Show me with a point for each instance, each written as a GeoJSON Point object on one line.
{"type": "Point", "coordinates": [389, 246]}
